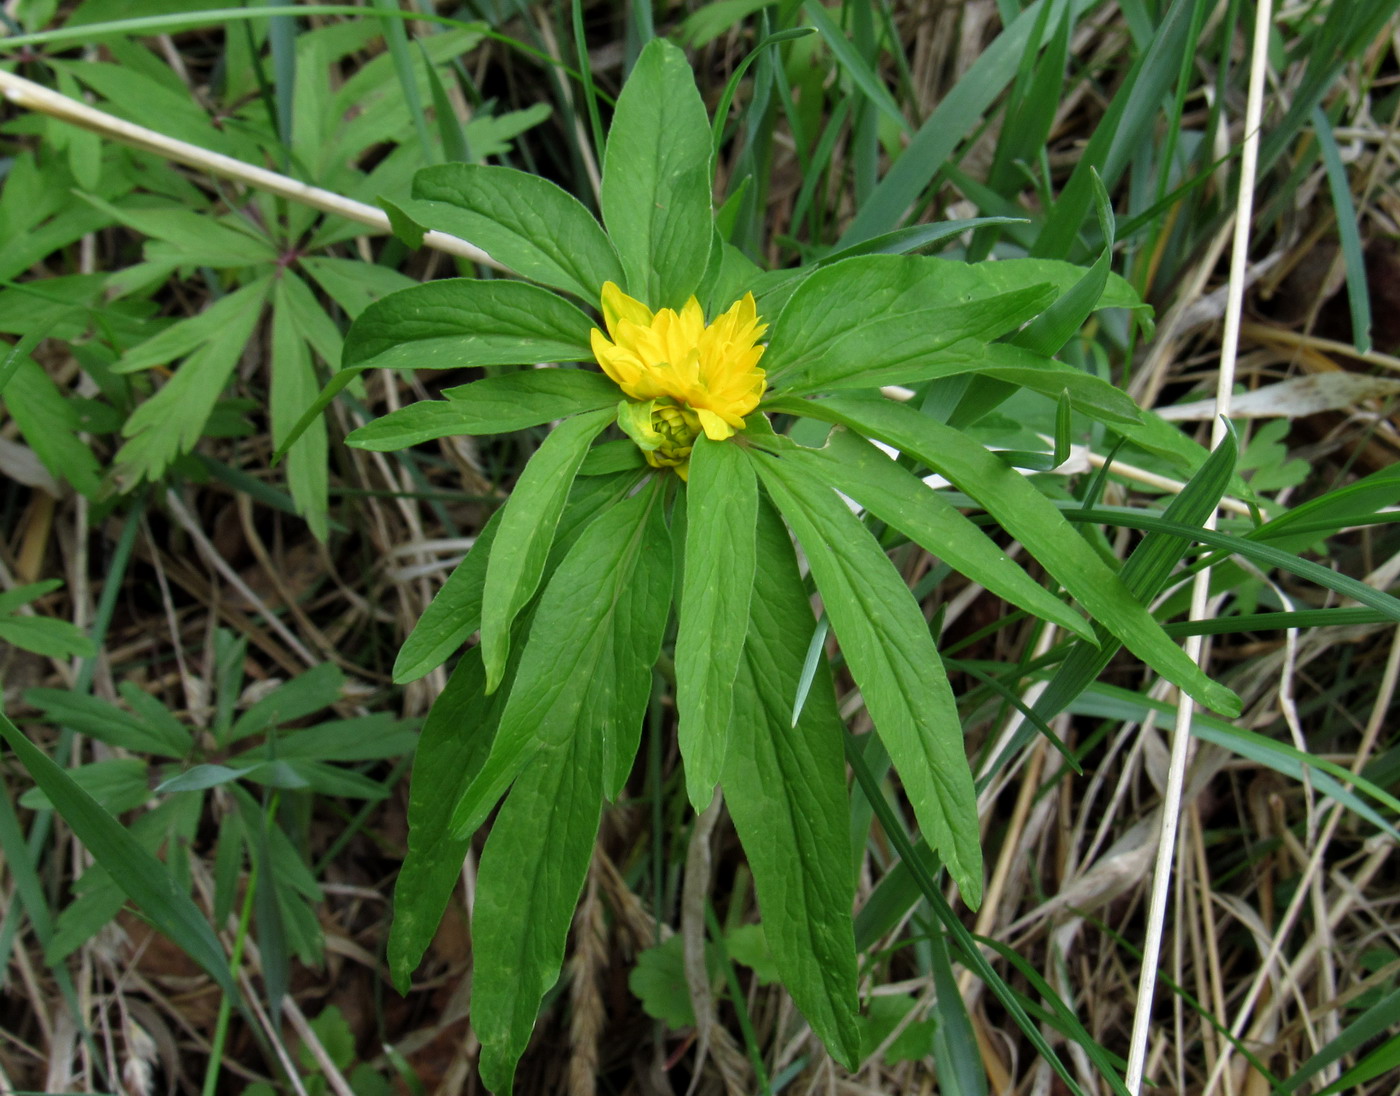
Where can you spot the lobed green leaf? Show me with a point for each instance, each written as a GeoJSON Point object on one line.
{"type": "Point", "coordinates": [528, 523]}
{"type": "Point", "coordinates": [785, 787]}
{"type": "Point", "coordinates": [893, 659]}
{"type": "Point", "coordinates": [586, 666]}
{"type": "Point", "coordinates": [536, 228]}
{"type": "Point", "coordinates": [656, 179]}
{"type": "Point", "coordinates": [1033, 519]}
{"type": "Point", "coordinates": [493, 405]}
{"type": "Point", "coordinates": [721, 507]}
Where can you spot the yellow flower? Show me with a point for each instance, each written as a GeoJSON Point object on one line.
{"type": "Point", "coordinates": [684, 376]}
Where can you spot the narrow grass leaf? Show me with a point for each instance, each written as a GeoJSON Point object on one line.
{"type": "Point", "coordinates": [960, 1068]}
{"type": "Point", "coordinates": [396, 37]}
{"type": "Point", "coordinates": [860, 72]}
{"type": "Point", "coordinates": [1144, 572]}
{"type": "Point", "coordinates": [493, 405]}
{"type": "Point", "coordinates": [143, 878]}
{"type": "Point", "coordinates": [969, 951]}
{"type": "Point", "coordinates": [721, 508]}
{"type": "Point", "coordinates": [785, 787]}
{"type": "Point", "coordinates": [1358, 294]}
{"type": "Point", "coordinates": [536, 228]}
{"type": "Point", "coordinates": [957, 113]}
{"type": "Point", "coordinates": [656, 179]}
{"type": "Point", "coordinates": [1132, 112]}
{"type": "Point", "coordinates": [586, 667]}
{"type": "Point", "coordinates": [1033, 520]}
{"type": "Point", "coordinates": [1327, 777]}
{"type": "Point", "coordinates": [528, 523]}
{"type": "Point", "coordinates": [887, 645]}
{"type": "Point", "coordinates": [1366, 1027]}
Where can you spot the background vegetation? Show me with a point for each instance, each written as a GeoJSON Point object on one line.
{"type": "Point", "coordinates": [204, 641]}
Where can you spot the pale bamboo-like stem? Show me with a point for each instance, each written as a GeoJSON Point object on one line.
{"type": "Point", "coordinates": [1200, 589]}
{"type": "Point", "coordinates": [36, 97]}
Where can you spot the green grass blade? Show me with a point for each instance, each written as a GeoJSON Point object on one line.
{"type": "Point", "coordinates": [143, 878]}
{"type": "Point", "coordinates": [1358, 292]}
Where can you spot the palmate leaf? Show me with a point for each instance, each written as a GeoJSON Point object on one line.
{"type": "Point", "coordinates": [50, 424]}
{"type": "Point", "coordinates": [893, 659]}
{"type": "Point", "coordinates": [170, 422]}
{"type": "Point", "coordinates": [785, 787]}
{"type": "Point", "coordinates": [587, 662]}
{"type": "Point", "coordinates": [1033, 519]}
{"type": "Point", "coordinates": [721, 503]}
{"type": "Point", "coordinates": [656, 179]}
{"type": "Point", "coordinates": [536, 228]}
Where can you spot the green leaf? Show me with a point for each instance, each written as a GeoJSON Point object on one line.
{"type": "Point", "coordinates": [586, 666]}
{"type": "Point", "coordinates": [1033, 520]}
{"type": "Point", "coordinates": [899, 498]}
{"type": "Point", "coordinates": [721, 507]}
{"type": "Point", "coordinates": [10, 600]}
{"type": "Point", "coordinates": [304, 695]}
{"type": "Point", "coordinates": [107, 723]}
{"type": "Point", "coordinates": [1145, 572]}
{"type": "Point", "coordinates": [294, 385]}
{"type": "Point", "coordinates": [493, 405]}
{"type": "Point", "coordinates": [536, 228]}
{"type": "Point", "coordinates": [461, 322]}
{"type": "Point", "coordinates": [658, 981]}
{"type": "Point", "coordinates": [786, 791]}
{"type": "Point", "coordinates": [190, 238]}
{"type": "Point", "coordinates": [883, 319]}
{"type": "Point", "coordinates": [171, 422]}
{"type": "Point", "coordinates": [117, 784]}
{"type": "Point", "coordinates": [894, 661]}
{"type": "Point", "coordinates": [454, 744]}
{"type": "Point", "coordinates": [143, 878]}
{"type": "Point", "coordinates": [527, 529]}
{"type": "Point", "coordinates": [528, 884]}
{"type": "Point", "coordinates": [656, 179]}
{"type": "Point", "coordinates": [453, 614]}
{"type": "Point", "coordinates": [455, 324]}
{"type": "Point", "coordinates": [46, 636]}
{"type": "Point", "coordinates": [50, 424]}
{"type": "Point", "coordinates": [1089, 394]}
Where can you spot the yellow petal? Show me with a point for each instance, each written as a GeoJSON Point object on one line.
{"type": "Point", "coordinates": [716, 429]}
{"type": "Point", "coordinates": [618, 306]}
